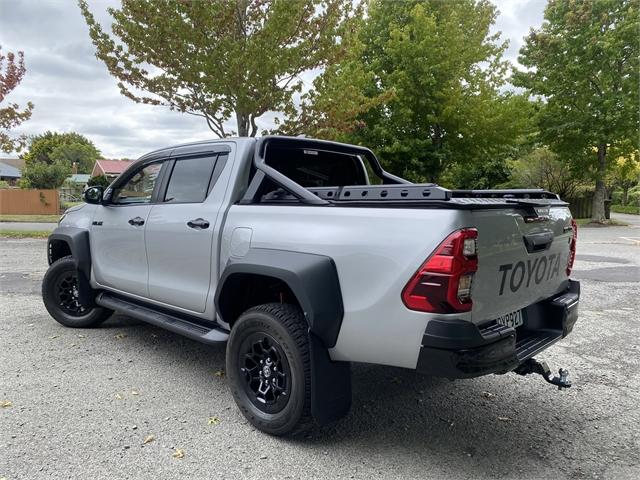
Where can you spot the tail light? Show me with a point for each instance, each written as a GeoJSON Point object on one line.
{"type": "Point", "coordinates": [572, 246]}
{"type": "Point", "coordinates": [443, 283]}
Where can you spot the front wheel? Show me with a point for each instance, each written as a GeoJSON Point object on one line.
{"type": "Point", "coordinates": [269, 368]}
{"type": "Point", "coordinates": [61, 299]}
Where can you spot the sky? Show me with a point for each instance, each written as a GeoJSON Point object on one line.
{"type": "Point", "coordinates": [72, 90]}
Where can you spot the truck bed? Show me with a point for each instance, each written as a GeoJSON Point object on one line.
{"type": "Point", "coordinates": [270, 186]}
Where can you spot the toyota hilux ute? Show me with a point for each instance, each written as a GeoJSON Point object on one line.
{"type": "Point", "coordinates": [305, 255]}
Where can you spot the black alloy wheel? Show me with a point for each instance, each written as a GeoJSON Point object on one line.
{"type": "Point", "coordinates": [267, 376]}
{"type": "Point", "coordinates": [269, 368]}
{"type": "Point", "coordinates": [61, 297]}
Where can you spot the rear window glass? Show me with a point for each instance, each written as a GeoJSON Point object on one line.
{"type": "Point", "coordinates": [189, 180]}
{"type": "Point", "coordinates": [313, 168]}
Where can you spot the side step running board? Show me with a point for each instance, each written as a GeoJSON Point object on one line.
{"type": "Point", "coordinates": [164, 320]}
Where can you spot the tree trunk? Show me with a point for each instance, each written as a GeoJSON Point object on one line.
{"type": "Point", "coordinates": [597, 212]}
{"type": "Point", "coordinates": [242, 120]}
{"type": "Point", "coordinates": [625, 195]}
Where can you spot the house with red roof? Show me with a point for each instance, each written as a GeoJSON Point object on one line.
{"type": "Point", "coordinates": [110, 168]}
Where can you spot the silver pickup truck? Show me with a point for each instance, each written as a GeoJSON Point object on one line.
{"type": "Point", "coordinates": [304, 256]}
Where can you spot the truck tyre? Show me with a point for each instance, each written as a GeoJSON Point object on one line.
{"type": "Point", "coordinates": [60, 295]}
{"type": "Point", "coordinates": [269, 368]}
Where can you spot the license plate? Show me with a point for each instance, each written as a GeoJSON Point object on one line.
{"type": "Point", "coordinates": [513, 319]}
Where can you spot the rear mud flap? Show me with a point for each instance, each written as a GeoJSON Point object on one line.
{"type": "Point", "coordinates": [330, 384]}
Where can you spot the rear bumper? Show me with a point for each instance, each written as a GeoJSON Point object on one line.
{"type": "Point", "coordinates": [461, 349]}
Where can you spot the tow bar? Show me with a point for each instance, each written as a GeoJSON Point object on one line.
{"type": "Point", "coordinates": [541, 368]}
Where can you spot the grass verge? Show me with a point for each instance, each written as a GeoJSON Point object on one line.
{"type": "Point", "coordinates": [586, 222]}
{"type": "Point", "coordinates": [30, 218]}
{"type": "Point", "coordinates": [628, 209]}
{"type": "Point", "coordinates": [24, 233]}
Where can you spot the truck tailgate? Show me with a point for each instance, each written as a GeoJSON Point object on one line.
{"type": "Point", "coordinates": [519, 262]}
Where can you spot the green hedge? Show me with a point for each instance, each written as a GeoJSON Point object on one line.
{"type": "Point", "coordinates": [633, 197]}
{"type": "Point", "coordinates": [625, 209]}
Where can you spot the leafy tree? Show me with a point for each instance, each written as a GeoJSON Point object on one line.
{"type": "Point", "coordinates": [11, 115]}
{"type": "Point", "coordinates": [442, 71]}
{"type": "Point", "coordinates": [82, 155]}
{"type": "Point", "coordinates": [479, 175]}
{"type": "Point", "coordinates": [98, 181]}
{"type": "Point", "coordinates": [217, 59]}
{"type": "Point", "coordinates": [341, 94]}
{"type": "Point", "coordinates": [64, 148]}
{"type": "Point", "coordinates": [44, 175]}
{"type": "Point", "coordinates": [626, 174]}
{"type": "Point", "coordinates": [542, 168]}
{"type": "Point", "coordinates": [584, 62]}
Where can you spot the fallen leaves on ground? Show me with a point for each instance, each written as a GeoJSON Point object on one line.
{"type": "Point", "coordinates": [504, 419]}
{"type": "Point", "coordinates": [135, 392]}
{"type": "Point", "coordinates": [488, 394]}
{"type": "Point", "coordinates": [213, 421]}
{"type": "Point", "coordinates": [53, 337]}
{"type": "Point", "coordinates": [148, 439]}
{"type": "Point", "coordinates": [219, 373]}
{"type": "Point", "coordinates": [6, 403]}
{"type": "Point", "coordinates": [120, 336]}
{"type": "Point", "coordinates": [119, 397]}
{"type": "Point", "coordinates": [178, 453]}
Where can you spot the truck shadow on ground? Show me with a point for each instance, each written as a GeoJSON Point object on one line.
{"type": "Point", "coordinates": [489, 425]}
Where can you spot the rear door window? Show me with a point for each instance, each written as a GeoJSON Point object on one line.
{"type": "Point", "coordinates": [189, 181]}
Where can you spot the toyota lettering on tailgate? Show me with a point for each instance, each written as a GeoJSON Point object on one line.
{"type": "Point", "coordinates": [533, 270]}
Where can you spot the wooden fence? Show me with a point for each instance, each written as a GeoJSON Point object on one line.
{"type": "Point", "coordinates": [16, 201]}
{"type": "Point", "coordinates": [582, 207]}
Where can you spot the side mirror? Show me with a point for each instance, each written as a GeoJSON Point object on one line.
{"type": "Point", "coordinates": [93, 195]}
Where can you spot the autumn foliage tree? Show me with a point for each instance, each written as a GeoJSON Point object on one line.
{"type": "Point", "coordinates": [625, 174]}
{"type": "Point", "coordinates": [220, 59]}
{"type": "Point", "coordinates": [12, 71]}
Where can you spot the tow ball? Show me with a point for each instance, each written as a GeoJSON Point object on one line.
{"type": "Point", "coordinates": [541, 368]}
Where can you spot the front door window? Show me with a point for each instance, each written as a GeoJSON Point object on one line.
{"type": "Point", "coordinates": [139, 189]}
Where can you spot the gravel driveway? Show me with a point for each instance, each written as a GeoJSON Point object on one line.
{"type": "Point", "coordinates": [80, 403]}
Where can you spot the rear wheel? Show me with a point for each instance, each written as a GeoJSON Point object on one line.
{"type": "Point", "coordinates": [269, 368]}
{"type": "Point", "coordinates": [61, 299]}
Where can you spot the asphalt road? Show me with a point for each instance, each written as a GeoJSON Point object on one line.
{"type": "Point", "coordinates": [83, 401]}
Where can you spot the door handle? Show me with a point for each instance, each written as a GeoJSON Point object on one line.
{"type": "Point", "coordinates": [137, 221]}
{"type": "Point", "coordinates": [198, 223]}
{"type": "Point", "coordinates": [536, 242]}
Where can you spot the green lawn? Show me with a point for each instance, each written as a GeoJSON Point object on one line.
{"type": "Point", "coordinates": [24, 234]}
{"type": "Point", "coordinates": [30, 218]}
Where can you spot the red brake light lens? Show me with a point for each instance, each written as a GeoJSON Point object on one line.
{"type": "Point", "coordinates": [443, 283]}
{"type": "Point", "coordinates": [572, 246]}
